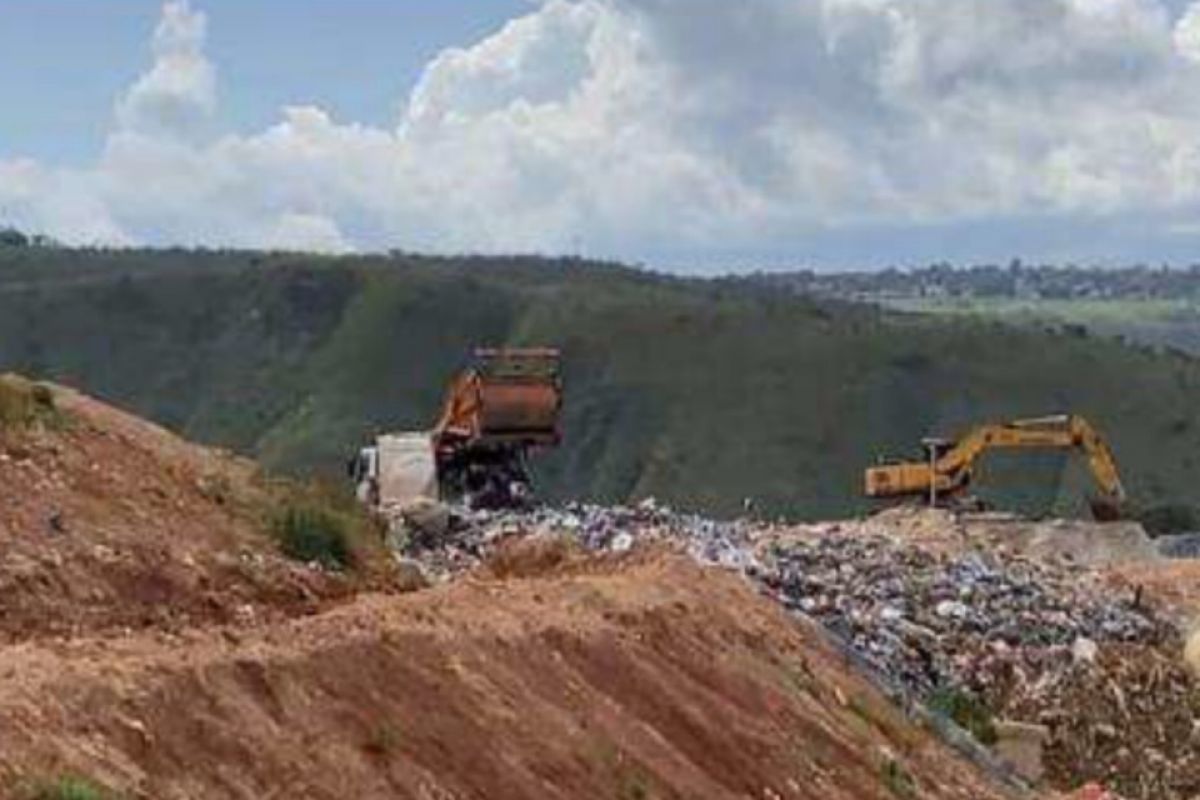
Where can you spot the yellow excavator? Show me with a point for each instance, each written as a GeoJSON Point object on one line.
{"type": "Point", "coordinates": [947, 470]}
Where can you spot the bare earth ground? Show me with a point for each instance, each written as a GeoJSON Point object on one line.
{"type": "Point", "coordinates": [152, 640]}
{"type": "Point", "coordinates": [650, 678]}
{"type": "Point", "coordinates": [110, 523]}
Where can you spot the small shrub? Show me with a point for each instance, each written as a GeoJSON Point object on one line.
{"type": "Point", "coordinates": [24, 404]}
{"type": "Point", "coordinates": [313, 521]}
{"type": "Point", "coordinates": [633, 787]}
{"type": "Point", "coordinates": [383, 740]}
{"type": "Point", "coordinates": [314, 534]}
{"type": "Point", "coordinates": [11, 237]}
{"type": "Point", "coordinates": [898, 780]}
{"type": "Point", "coordinates": [967, 711]}
{"type": "Point", "coordinates": [67, 787]}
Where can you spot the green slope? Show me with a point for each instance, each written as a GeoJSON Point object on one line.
{"type": "Point", "coordinates": [701, 393]}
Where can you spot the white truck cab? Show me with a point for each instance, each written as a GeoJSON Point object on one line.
{"type": "Point", "coordinates": [396, 470]}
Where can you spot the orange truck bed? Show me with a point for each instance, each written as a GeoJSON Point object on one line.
{"type": "Point", "coordinates": [508, 396]}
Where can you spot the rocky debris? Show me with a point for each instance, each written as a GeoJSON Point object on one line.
{"type": "Point", "coordinates": [1092, 791]}
{"type": "Point", "coordinates": [1023, 745]}
{"type": "Point", "coordinates": [1191, 653]}
{"type": "Point", "coordinates": [1127, 721]}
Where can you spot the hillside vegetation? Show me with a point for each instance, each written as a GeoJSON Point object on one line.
{"type": "Point", "coordinates": [702, 393]}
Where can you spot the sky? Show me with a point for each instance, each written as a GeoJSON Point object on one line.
{"type": "Point", "coordinates": [694, 135]}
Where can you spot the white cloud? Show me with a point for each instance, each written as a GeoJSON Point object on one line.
{"type": "Point", "coordinates": [178, 96]}
{"type": "Point", "coordinates": [1187, 33]}
{"type": "Point", "coordinates": [304, 232]}
{"type": "Point", "coordinates": [680, 127]}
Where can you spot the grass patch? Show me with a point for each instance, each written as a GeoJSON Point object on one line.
{"type": "Point", "coordinates": [383, 740]}
{"type": "Point", "coordinates": [24, 404]}
{"type": "Point", "coordinates": [631, 781]}
{"type": "Point", "coordinates": [323, 523]}
{"type": "Point", "coordinates": [898, 780]}
{"type": "Point", "coordinates": [314, 534]}
{"type": "Point", "coordinates": [633, 786]}
{"type": "Point", "coordinates": [67, 787]}
{"type": "Point", "coordinates": [967, 711]}
{"type": "Point", "coordinates": [885, 719]}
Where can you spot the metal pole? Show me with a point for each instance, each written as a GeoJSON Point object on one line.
{"type": "Point", "coordinates": [932, 474]}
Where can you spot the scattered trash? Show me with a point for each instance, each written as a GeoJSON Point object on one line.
{"type": "Point", "coordinates": [1180, 546]}
{"type": "Point", "coordinates": [1044, 643]}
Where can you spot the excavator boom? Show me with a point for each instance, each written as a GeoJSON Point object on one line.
{"type": "Point", "coordinates": [948, 469]}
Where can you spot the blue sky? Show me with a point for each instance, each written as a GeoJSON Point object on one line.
{"type": "Point", "coordinates": [697, 135]}
{"type": "Point", "coordinates": [64, 62]}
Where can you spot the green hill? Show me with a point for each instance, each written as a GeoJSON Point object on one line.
{"type": "Point", "coordinates": [698, 392]}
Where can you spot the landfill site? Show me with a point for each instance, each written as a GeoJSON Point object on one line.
{"type": "Point", "coordinates": [156, 644]}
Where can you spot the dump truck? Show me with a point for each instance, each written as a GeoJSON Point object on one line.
{"type": "Point", "coordinates": [498, 411]}
{"type": "Point", "coordinates": [945, 474]}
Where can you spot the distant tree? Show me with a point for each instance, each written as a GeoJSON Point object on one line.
{"type": "Point", "coordinates": [11, 237]}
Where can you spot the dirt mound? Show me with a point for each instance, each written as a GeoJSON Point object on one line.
{"type": "Point", "coordinates": [634, 678]}
{"type": "Point", "coordinates": [154, 641]}
{"type": "Point", "coordinates": [108, 522]}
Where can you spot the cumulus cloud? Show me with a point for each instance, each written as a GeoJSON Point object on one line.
{"type": "Point", "coordinates": [178, 96]}
{"type": "Point", "coordinates": [683, 127]}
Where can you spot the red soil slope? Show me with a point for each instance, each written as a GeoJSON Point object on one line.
{"type": "Point", "coordinates": [153, 641]}
{"type": "Point", "coordinates": [650, 678]}
{"type": "Point", "coordinates": [108, 522]}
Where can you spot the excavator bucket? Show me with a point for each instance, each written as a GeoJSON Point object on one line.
{"type": "Point", "coordinates": [1106, 510]}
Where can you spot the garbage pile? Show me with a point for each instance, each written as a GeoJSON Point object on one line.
{"type": "Point", "coordinates": [1126, 719]}
{"type": "Point", "coordinates": [931, 621]}
{"type": "Point", "coordinates": [1181, 546]}
{"type": "Point", "coordinates": [1049, 643]}
{"type": "Point", "coordinates": [459, 541]}
{"type": "Point", "coordinates": [1042, 640]}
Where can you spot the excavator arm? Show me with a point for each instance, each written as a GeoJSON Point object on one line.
{"type": "Point", "coordinates": [949, 467]}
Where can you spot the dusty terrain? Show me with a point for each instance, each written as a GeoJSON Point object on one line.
{"type": "Point", "coordinates": [646, 679]}
{"type": "Point", "coordinates": [109, 523]}
{"type": "Point", "coordinates": [156, 643]}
